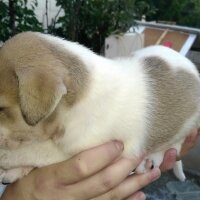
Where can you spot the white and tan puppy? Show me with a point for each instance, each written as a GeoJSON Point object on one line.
{"type": "Point", "coordinates": [58, 98]}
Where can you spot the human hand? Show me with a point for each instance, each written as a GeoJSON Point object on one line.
{"type": "Point", "coordinates": [171, 155]}
{"type": "Point", "coordinates": [189, 143]}
{"type": "Point", "coordinates": [95, 174]}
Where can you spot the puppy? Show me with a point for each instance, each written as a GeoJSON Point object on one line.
{"type": "Point", "coordinates": [58, 98]}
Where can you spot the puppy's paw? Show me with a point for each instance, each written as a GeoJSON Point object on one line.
{"type": "Point", "coordinates": [11, 175]}
{"type": "Point", "coordinates": [178, 171]}
{"type": "Point", "coordinates": [153, 160]}
{"type": "Point", "coordinates": [144, 166]}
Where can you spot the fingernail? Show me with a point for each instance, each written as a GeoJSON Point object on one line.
{"type": "Point", "coordinates": [172, 156]}
{"type": "Point", "coordinates": [119, 145]}
{"type": "Point", "coordinates": [173, 153]}
{"type": "Point", "coordinates": [155, 173]}
{"type": "Point", "coordinates": [140, 196]}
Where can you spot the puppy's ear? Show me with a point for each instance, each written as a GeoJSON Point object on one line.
{"type": "Point", "coordinates": [39, 93]}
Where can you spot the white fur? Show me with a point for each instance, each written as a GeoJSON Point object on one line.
{"type": "Point", "coordinates": [175, 60]}
{"type": "Point", "coordinates": [178, 171]}
{"type": "Point", "coordinates": [115, 107]}
{"type": "Point", "coordinates": [108, 93]}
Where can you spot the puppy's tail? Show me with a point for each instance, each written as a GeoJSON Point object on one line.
{"type": "Point", "coordinates": [178, 171]}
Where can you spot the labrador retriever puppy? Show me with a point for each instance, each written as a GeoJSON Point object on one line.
{"type": "Point", "coordinates": [58, 98]}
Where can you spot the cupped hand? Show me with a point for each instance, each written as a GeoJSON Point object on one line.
{"type": "Point", "coordinates": [95, 174]}
{"type": "Point", "coordinates": [171, 155]}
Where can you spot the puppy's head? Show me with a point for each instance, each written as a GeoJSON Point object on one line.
{"type": "Point", "coordinates": [30, 91]}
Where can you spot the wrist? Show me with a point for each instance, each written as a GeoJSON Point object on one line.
{"type": "Point", "coordinates": [16, 191]}
{"type": "Point", "coordinates": [8, 193]}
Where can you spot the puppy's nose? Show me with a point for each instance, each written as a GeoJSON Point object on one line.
{"type": "Point", "coordinates": [5, 183]}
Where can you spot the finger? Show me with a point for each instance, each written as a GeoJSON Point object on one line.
{"type": "Point", "coordinates": [86, 163]}
{"type": "Point", "coordinates": [169, 160]}
{"type": "Point", "coordinates": [106, 179]}
{"type": "Point", "coordinates": [189, 143]}
{"type": "Point", "coordinates": [191, 139]}
{"type": "Point", "coordinates": [134, 183]}
{"type": "Point", "coordinates": [198, 132]}
{"type": "Point", "coordinates": [137, 196]}
{"type": "Point", "coordinates": [131, 185]}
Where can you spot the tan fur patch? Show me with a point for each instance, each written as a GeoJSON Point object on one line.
{"type": "Point", "coordinates": [30, 48]}
{"type": "Point", "coordinates": [78, 76]}
{"type": "Point", "coordinates": [176, 96]}
{"type": "Point", "coordinates": [8, 95]}
{"type": "Point", "coordinates": [31, 63]}
{"type": "Point", "coordinates": [50, 66]}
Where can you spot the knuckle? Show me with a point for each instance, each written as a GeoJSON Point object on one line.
{"type": "Point", "coordinates": [41, 183]}
{"type": "Point", "coordinates": [81, 167]}
{"type": "Point", "coordinates": [107, 184]}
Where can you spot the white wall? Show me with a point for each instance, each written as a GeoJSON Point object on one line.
{"type": "Point", "coordinates": [41, 10]}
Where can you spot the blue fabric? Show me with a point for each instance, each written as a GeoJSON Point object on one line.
{"type": "Point", "coordinates": [2, 188]}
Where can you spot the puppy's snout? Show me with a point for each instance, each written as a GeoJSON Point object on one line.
{"type": "Point", "coordinates": [3, 179]}
{"type": "Point", "coordinates": [4, 182]}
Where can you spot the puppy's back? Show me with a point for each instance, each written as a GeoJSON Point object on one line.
{"type": "Point", "coordinates": [175, 95]}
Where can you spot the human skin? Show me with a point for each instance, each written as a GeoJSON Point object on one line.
{"type": "Point", "coordinates": [171, 155]}
{"type": "Point", "coordinates": [95, 174]}
{"type": "Point", "coordinates": [82, 178]}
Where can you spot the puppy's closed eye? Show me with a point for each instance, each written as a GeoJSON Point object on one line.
{"type": "Point", "coordinates": [2, 109]}
{"type": "Point", "coordinates": [5, 113]}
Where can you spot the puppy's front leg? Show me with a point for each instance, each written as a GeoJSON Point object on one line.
{"type": "Point", "coordinates": [34, 155]}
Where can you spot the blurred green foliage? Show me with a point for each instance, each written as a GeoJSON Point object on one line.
{"type": "Point", "coordinates": [4, 21]}
{"type": "Point", "coordinates": [183, 12]}
{"type": "Point", "coordinates": [20, 17]}
{"type": "Point", "coordinates": [25, 16]}
{"type": "Point", "coordinates": [90, 21]}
